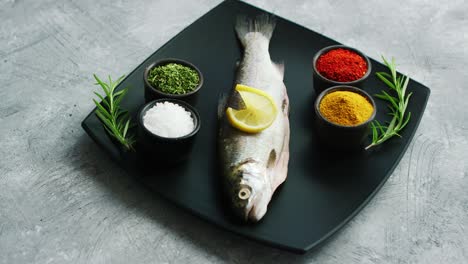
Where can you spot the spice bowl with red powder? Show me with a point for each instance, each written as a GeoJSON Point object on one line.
{"type": "Point", "coordinates": [340, 65]}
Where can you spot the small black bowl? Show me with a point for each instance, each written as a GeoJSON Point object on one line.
{"type": "Point", "coordinates": [340, 136]}
{"type": "Point", "coordinates": [165, 149]}
{"type": "Point", "coordinates": [321, 82]}
{"type": "Point", "coordinates": [153, 93]}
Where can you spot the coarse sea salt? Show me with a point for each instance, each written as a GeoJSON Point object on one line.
{"type": "Point", "coordinates": [169, 120]}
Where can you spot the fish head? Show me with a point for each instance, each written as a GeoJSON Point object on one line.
{"type": "Point", "coordinates": [252, 190]}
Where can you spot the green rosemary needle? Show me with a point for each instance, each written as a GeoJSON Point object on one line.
{"type": "Point", "coordinates": [115, 120]}
{"type": "Point", "coordinates": [397, 105]}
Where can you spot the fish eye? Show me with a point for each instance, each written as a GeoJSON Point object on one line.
{"type": "Point", "coordinates": [244, 193]}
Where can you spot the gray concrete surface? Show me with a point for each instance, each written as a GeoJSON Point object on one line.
{"type": "Point", "coordinates": [63, 201]}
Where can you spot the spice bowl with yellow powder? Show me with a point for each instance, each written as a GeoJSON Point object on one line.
{"type": "Point", "coordinates": [343, 116]}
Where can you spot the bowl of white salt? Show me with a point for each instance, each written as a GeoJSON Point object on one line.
{"type": "Point", "coordinates": [166, 129]}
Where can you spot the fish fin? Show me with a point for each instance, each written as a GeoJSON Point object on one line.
{"type": "Point", "coordinates": [236, 101]}
{"type": "Point", "coordinates": [222, 101]}
{"type": "Point", "coordinates": [279, 172]}
{"type": "Point", "coordinates": [285, 107]}
{"type": "Point", "coordinates": [263, 24]}
{"type": "Point", "coordinates": [271, 159]}
{"type": "Point", "coordinates": [280, 67]}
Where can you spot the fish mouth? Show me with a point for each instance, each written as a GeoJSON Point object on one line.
{"type": "Point", "coordinates": [252, 191]}
{"type": "Point", "coordinates": [255, 214]}
{"type": "Point", "coordinates": [253, 210]}
{"type": "Point", "coordinates": [245, 194]}
{"type": "Point", "coordinates": [250, 216]}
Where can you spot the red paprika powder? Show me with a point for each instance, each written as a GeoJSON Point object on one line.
{"type": "Point", "coordinates": [341, 65]}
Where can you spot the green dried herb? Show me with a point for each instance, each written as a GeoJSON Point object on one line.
{"type": "Point", "coordinates": [397, 105]}
{"type": "Point", "coordinates": [174, 78]}
{"type": "Point", "coordinates": [115, 120]}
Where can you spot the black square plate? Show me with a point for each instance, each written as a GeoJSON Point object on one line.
{"type": "Point", "coordinates": [323, 190]}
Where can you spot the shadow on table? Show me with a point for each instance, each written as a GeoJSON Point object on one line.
{"type": "Point", "coordinates": [203, 235]}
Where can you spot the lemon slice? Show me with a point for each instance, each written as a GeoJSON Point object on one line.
{"type": "Point", "coordinates": [259, 112]}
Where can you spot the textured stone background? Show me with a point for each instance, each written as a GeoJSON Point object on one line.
{"type": "Point", "coordinates": [63, 201]}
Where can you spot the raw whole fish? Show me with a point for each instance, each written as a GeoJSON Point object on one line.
{"type": "Point", "coordinates": [254, 165]}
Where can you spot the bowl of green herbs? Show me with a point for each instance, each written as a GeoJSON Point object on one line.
{"type": "Point", "coordinates": [172, 78]}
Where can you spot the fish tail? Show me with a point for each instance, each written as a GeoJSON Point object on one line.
{"type": "Point", "coordinates": [262, 24]}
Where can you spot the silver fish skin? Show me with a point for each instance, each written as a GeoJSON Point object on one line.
{"type": "Point", "coordinates": [254, 165]}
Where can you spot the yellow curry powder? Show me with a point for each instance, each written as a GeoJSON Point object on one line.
{"type": "Point", "coordinates": [346, 108]}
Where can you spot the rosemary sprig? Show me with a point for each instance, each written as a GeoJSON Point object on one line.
{"type": "Point", "coordinates": [397, 105]}
{"type": "Point", "coordinates": [115, 120]}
